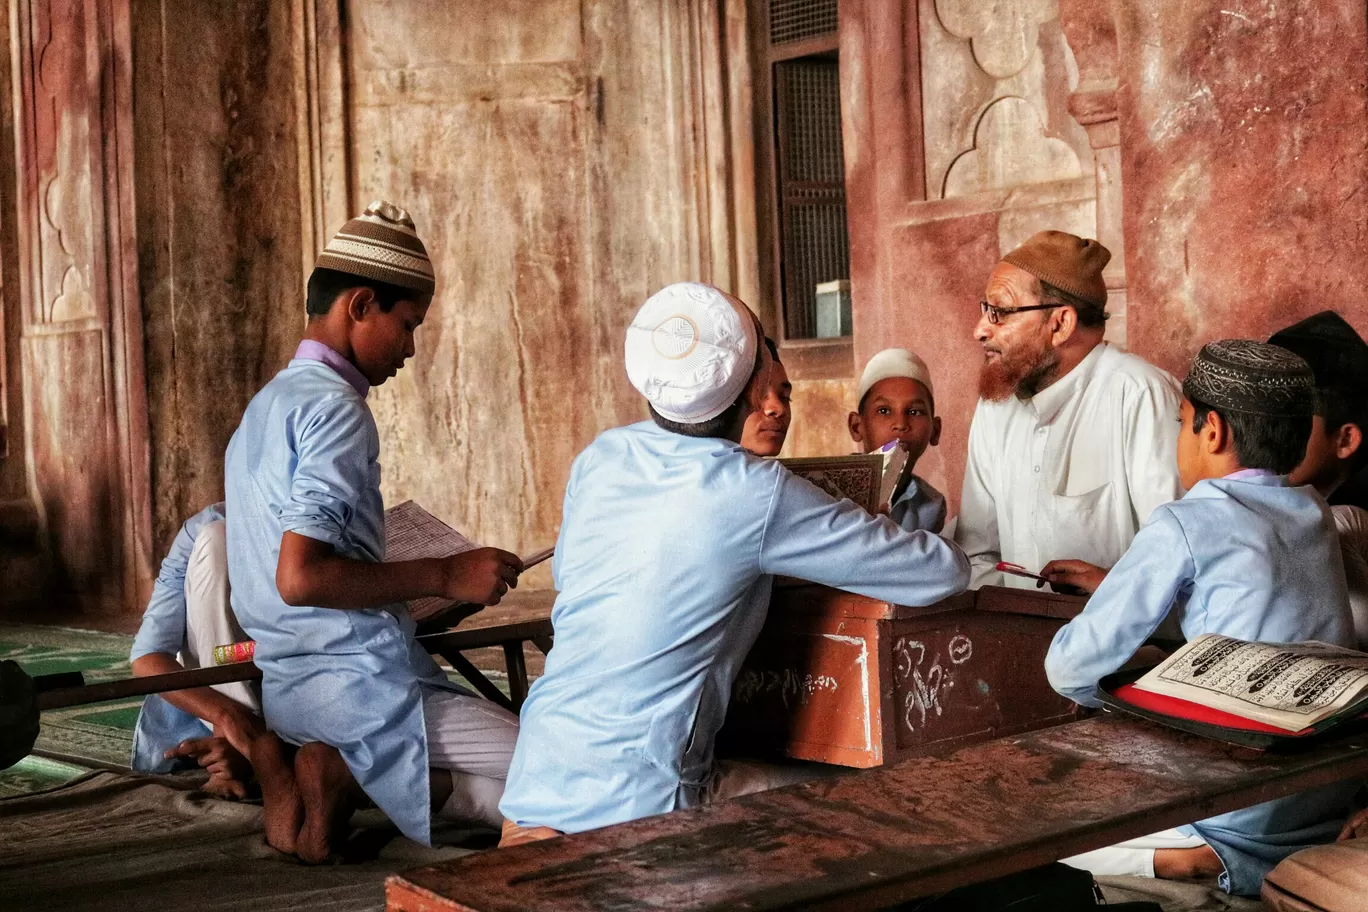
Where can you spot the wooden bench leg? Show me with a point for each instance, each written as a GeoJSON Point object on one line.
{"type": "Point", "coordinates": [472, 674]}
{"type": "Point", "coordinates": [517, 673]}
{"type": "Point", "coordinates": [543, 644]}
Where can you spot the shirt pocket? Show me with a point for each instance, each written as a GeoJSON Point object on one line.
{"type": "Point", "coordinates": [1085, 527]}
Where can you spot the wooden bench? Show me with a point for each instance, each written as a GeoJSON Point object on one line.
{"type": "Point", "coordinates": [69, 689]}
{"type": "Point", "coordinates": [873, 838]}
{"type": "Point", "coordinates": [510, 637]}
{"type": "Point", "coordinates": [840, 678]}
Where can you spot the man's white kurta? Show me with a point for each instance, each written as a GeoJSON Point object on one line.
{"type": "Point", "coordinates": [1072, 472]}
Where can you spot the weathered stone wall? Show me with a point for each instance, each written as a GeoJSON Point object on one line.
{"type": "Point", "coordinates": [562, 160]}
{"type": "Point", "coordinates": [1244, 144]}
{"type": "Point", "coordinates": [219, 268]}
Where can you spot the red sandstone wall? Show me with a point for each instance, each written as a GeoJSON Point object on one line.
{"type": "Point", "coordinates": [1244, 143]}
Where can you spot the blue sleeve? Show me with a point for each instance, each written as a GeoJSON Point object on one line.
{"type": "Point", "coordinates": [163, 623]}
{"type": "Point", "coordinates": [920, 507]}
{"type": "Point", "coordinates": [811, 535]}
{"type": "Point", "coordinates": [1125, 610]}
{"type": "Point", "coordinates": [335, 445]}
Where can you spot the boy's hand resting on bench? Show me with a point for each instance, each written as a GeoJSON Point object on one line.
{"type": "Point", "coordinates": [481, 576]}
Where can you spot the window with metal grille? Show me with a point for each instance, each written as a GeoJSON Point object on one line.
{"type": "Point", "coordinates": [795, 20]}
{"type": "Point", "coordinates": [814, 246]}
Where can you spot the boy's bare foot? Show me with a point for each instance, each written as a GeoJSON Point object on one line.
{"type": "Point", "coordinates": [328, 793]}
{"type": "Point", "coordinates": [282, 810]}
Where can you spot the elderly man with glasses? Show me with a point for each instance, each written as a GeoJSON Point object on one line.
{"type": "Point", "coordinates": [1072, 444]}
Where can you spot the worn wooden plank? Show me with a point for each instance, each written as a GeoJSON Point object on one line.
{"type": "Point", "coordinates": [449, 645]}
{"type": "Point", "coordinates": [1004, 600]}
{"type": "Point", "coordinates": [882, 836]}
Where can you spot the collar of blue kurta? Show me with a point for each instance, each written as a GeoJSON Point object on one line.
{"type": "Point", "coordinates": [1051, 399]}
{"type": "Point", "coordinates": [1250, 474]}
{"type": "Point", "coordinates": [309, 350]}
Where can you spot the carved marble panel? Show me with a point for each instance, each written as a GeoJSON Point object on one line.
{"type": "Point", "coordinates": [85, 394]}
{"type": "Point", "coordinates": [1001, 33]}
{"type": "Point", "coordinates": [1010, 150]}
{"type": "Point", "coordinates": [977, 55]}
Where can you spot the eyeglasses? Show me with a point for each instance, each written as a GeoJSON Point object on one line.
{"type": "Point", "coordinates": [995, 314]}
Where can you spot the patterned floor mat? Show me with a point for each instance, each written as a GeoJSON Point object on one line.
{"type": "Point", "coordinates": [101, 734]}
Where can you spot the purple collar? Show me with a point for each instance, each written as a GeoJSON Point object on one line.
{"type": "Point", "coordinates": [309, 350]}
{"type": "Point", "coordinates": [1247, 474]}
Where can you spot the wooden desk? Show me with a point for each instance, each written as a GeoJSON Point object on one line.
{"type": "Point", "coordinates": [844, 679]}
{"type": "Point", "coordinates": [877, 837]}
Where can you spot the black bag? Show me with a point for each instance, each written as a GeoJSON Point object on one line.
{"type": "Point", "coordinates": [1050, 888]}
{"type": "Point", "coordinates": [18, 714]}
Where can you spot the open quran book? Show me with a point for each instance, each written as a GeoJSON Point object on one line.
{"type": "Point", "coordinates": [873, 480]}
{"type": "Point", "coordinates": [412, 533]}
{"type": "Point", "coordinates": [1290, 687]}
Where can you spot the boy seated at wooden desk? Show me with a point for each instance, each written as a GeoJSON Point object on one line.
{"type": "Point", "coordinates": [342, 674]}
{"type": "Point", "coordinates": [1243, 553]}
{"type": "Point", "coordinates": [767, 427]}
{"type": "Point", "coordinates": [897, 402]}
{"type": "Point", "coordinates": [671, 534]}
{"type": "Point", "coordinates": [186, 618]}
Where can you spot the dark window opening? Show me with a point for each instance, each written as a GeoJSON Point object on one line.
{"type": "Point", "coordinates": [812, 247]}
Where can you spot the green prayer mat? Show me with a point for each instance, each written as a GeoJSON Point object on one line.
{"type": "Point", "coordinates": [100, 734]}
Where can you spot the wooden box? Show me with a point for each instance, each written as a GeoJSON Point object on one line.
{"type": "Point", "coordinates": [843, 679]}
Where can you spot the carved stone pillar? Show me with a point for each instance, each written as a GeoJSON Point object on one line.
{"type": "Point", "coordinates": [84, 390]}
{"type": "Point", "coordinates": [1091, 32]}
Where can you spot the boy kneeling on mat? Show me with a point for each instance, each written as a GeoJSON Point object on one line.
{"type": "Point", "coordinates": [1243, 553]}
{"type": "Point", "coordinates": [341, 672]}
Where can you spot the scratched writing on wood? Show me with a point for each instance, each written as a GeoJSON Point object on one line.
{"type": "Point", "coordinates": [927, 680]}
{"type": "Point", "coordinates": [787, 684]}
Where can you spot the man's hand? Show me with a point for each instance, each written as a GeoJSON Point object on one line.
{"type": "Point", "coordinates": [481, 576]}
{"type": "Point", "coordinates": [1080, 576]}
{"type": "Point", "coordinates": [228, 770]}
{"type": "Point", "coordinates": [1356, 828]}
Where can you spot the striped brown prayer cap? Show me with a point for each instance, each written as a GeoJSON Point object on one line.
{"type": "Point", "coordinates": [1252, 377]}
{"type": "Point", "coordinates": [382, 245]}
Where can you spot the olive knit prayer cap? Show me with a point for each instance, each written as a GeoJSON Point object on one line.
{"type": "Point", "coordinates": [382, 245]}
{"type": "Point", "coordinates": [1242, 375]}
{"type": "Point", "coordinates": [1066, 261]}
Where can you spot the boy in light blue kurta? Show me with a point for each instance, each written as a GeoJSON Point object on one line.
{"type": "Point", "coordinates": [896, 402]}
{"type": "Point", "coordinates": [1243, 554]}
{"type": "Point", "coordinates": [341, 672]}
{"type": "Point", "coordinates": [670, 535]}
{"type": "Point", "coordinates": [187, 617]}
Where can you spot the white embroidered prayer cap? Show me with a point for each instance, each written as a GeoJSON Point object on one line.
{"type": "Point", "coordinates": [895, 362]}
{"type": "Point", "coordinates": [691, 351]}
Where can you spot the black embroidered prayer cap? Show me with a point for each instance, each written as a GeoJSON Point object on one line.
{"type": "Point", "coordinates": [1337, 354]}
{"type": "Point", "coordinates": [1252, 377]}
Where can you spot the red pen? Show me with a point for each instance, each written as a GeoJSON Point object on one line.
{"type": "Point", "coordinates": [1017, 570]}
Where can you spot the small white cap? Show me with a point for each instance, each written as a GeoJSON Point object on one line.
{"type": "Point", "coordinates": [895, 362]}
{"type": "Point", "coordinates": [691, 351]}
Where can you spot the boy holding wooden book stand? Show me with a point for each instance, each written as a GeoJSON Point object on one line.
{"type": "Point", "coordinates": [1243, 553]}
{"type": "Point", "coordinates": [897, 402]}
